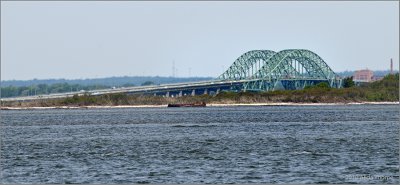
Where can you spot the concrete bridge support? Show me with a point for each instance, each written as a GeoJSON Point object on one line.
{"type": "Point", "coordinates": [193, 92]}
{"type": "Point", "coordinates": [205, 91]}
{"type": "Point", "coordinates": [167, 94]}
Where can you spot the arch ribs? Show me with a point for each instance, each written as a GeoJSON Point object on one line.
{"type": "Point", "coordinates": [264, 70]}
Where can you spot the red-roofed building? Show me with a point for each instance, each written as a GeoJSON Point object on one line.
{"type": "Point", "coordinates": [364, 75]}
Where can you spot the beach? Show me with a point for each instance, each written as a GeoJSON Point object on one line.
{"type": "Point", "coordinates": [208, 105]}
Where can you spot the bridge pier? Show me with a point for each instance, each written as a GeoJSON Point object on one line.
{"type": "Point", "coordinates": [167, 94]}
{"type": "Point", "coordinates": [218, 90]}
{"type": "Point", "coordinates": [180, 94]}
{"type": "Point", "coordinates": [205, 91]}
{"type": "Point", "coordinates": [193, 92]}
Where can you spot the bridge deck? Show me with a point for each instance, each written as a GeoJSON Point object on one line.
{"type": "Point", "coordinates": [146, 89]}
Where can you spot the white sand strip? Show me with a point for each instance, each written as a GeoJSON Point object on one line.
{"type": "Point", "coordinates": [208, 105]}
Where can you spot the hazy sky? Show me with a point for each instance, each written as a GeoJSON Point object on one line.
{"type": "Point", "coordinates": [100, 39]}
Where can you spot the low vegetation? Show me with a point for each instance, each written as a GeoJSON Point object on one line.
{"type": "Point", "coordinates": [386, 89]}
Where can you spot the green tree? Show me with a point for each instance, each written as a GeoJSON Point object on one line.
{"type": "Point", "coordinates": [128, 85]}
{"type": "Point", "coordinates": [323, 85]}
{"type": "Point", "coordinates": [147, 83]}
{"type": "Point", "coordinates": [348, 82]}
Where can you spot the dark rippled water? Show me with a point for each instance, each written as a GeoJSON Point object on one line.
{"type": "Point", "coordinates": [262, 144]}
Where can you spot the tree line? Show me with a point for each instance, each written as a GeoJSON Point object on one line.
{"type": "Point", "coordinates": [42, 89]}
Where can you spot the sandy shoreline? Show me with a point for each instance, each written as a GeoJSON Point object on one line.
{"type": "Point", "coordinates": [208, 105]}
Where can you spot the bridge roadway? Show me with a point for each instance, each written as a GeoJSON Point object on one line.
{"type": "Point", "coordinates": [176, 89]}
{"type": "Point", "coordinates": [170, 90]}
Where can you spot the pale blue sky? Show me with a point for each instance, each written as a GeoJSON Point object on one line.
{"type": "Point", "coordinates": [100, 39]}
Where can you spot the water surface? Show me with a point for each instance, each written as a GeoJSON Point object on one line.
{"type": "Point", "coordinates": [261, 144]}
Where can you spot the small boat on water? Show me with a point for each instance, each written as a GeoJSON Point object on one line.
{"type": "Point", "coordinates": [202, 104]}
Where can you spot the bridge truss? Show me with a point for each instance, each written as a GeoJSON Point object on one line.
{"type": "Point", "coordinates": [266, 70]}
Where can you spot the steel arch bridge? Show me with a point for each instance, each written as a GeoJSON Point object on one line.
{"type": "Point", "coordinates": [266, 70]}
{"type": "Point", "coordinates": [257, 70]}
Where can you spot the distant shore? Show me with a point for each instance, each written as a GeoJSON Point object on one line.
{"type": "Point", "coordinates": [382, 92]}
{"type": "Point", "coordinates": [208, 105]}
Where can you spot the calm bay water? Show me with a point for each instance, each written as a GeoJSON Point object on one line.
{"type": "Point", "coordinates": [261, 144]}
